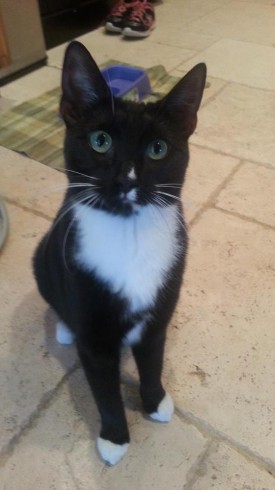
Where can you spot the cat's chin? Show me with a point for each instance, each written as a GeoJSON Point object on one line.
{"type": "Point", "coordinates": [123, 208]}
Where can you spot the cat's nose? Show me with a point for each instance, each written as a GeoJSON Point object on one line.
{"type": "Point", "coordinates": [126, 179]}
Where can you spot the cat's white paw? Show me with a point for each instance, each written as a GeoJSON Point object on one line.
{"type": "Point", "coordinates": [111, 453]}
{"type": "Point", "coordinates": [165, 410]}
{"type": "Point", "coordinates": [63, 334]}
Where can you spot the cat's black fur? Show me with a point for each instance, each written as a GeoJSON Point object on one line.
{"type": "Point", "coordinates": [99, 316]}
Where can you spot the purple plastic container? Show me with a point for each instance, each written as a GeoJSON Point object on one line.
{"type": "Point", "coordinates": [127, 81]}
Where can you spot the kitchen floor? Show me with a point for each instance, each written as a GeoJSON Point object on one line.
{"type": "Point", "coordinates": [220, 355]}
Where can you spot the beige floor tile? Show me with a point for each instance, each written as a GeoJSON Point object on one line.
{"type": "Point", "coordinates": [31, 364]}
{"type": "Point", "coordinates": [239, 121]}
{"type": "Point", "coordinates": [228, 470]}
{"type": "Point", "coordinates": [251, 193]}
{"type": "Point", "coordinates": [220, 354]}
{"type": "Point", "coordinates": [104, 47]}
{"type": "Point", "coordinates": [32, 85]}
{"type": "Point", "coordinates": [181, 37]}
{"type": "Point", "coordinates": [174, 30]}
{"type": "Point", "coordinates": [205, 173]}
{"type": "Point", "coordinates": [31, 184]}
{"type": "Point", "coordinates": [212, 87]}
{"type": "Point", "coordinates": [240, 62]}
{"type": "Point", "coordinates": [251, 21]}
{"type": "Point", "coordinates": [182, 13]}
{"type": "Point", "coordinates": [138, 52]}
{"type": "Point", "coordinates": [56, 55]}
{"type": "Point", "coordinates": [159, 457]}
{"type": "Point", "coordinates": [59, 452]}
{"type": "Point", "coordinates": [6, 104]}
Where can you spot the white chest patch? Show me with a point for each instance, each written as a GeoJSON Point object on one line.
{"type": "Point", "coordinates": [131, 254]}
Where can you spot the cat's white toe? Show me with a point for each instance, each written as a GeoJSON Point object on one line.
{"type": "Point", "coordinates": [165, 410]}
{"type": "Point", "coordinates": [63, 334]}
{"type": "Point", "coordinates": [111, 453]}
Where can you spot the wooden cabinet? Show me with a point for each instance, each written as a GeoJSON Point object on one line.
{"type": "Point", "coordinates": [22, 45]}
{"type": "Point", "coordinates": [4, 52]}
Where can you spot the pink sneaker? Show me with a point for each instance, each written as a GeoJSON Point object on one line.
{"type": "Point", "coordinates": [140, 20]}
{"type": "Point", "coordinates": [115, 22]}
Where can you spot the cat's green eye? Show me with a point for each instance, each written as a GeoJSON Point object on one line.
{"type": "Point", "coordinates": [100, 141]}
{"type": "Point", "coordinates": [157, 150]}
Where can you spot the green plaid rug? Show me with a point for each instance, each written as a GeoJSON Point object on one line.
{"type": "Point", "coordinates": [34, 128]}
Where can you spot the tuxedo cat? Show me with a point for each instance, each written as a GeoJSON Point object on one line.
{"type": "Point", "coordinates": [111, 265]}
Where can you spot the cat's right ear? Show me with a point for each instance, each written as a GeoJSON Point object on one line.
{"type": "Point", "coordinates": [82, 83]}
{"type": "Point", "coordinates": [183, 101]}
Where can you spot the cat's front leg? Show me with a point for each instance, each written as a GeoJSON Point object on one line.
{"type": "Point", "coordinates": [148, 354]}
{"type": "Point", "coordinates": [102, 371]}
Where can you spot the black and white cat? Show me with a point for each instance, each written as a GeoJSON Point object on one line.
{"type": "Point", "coordinates": [111, 265]}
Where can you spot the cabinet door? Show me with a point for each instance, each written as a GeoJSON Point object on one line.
{"type": "Point", "coordinates": [4, 52]}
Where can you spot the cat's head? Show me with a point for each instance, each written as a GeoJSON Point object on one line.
{"type": "Point", "coordinates": [129, 154]}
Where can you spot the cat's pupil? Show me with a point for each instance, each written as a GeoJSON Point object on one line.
{"type": "Point", "coordinates": [101, 140]}
{"type": "Point", "coordinates": [158, 148]}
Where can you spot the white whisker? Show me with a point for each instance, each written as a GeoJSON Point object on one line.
{"type": "Point", "coordinates": [83, 175]}
{"type": "Point", "coordinates": [181, 221]}
{"type": "Point", "coordinates": [176, 186]}
{"type": "Point", "coordinates": [67, 208]}
{"type": "Point", "coordinates": [93, 198]}
{"type": "Point", "coordinates": [160, 205]}
{"type": "Point", "coordinates": [61, 187]}
{"type": "Point", "coordinates": [161, 201]}
{"type": "Point", "coordinates": [169, 195]}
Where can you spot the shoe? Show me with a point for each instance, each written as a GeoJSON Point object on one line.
{"type": "Point", "coordinates": [140, 20]}
{"type": "Point", "coordinates": [115, 22]}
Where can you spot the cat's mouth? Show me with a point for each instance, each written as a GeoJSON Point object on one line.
{"type": "Point", "coordinates": [129, 197]}
{"type": "Point", "coordinates": [125, 202]}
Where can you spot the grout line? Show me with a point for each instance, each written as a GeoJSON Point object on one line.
{"type": "Point", "coordinates": [210, 12]}
{"type": "Point", "coordinates": [211, 201]}
{"type": "Point", "coordinates": [45, 401]}
{"type": "Point", "coordinates": [214, 436]}
{"type": "Point", "coordinates": [233, 214]}
{"type": "Point", "coordinates": [209, 431]}
{"type": "Point", "coordinates": [228, 82]}
{"type": "Point", "coordinates": [198, 468]}
{"type": "Point", "coordinates": [189, 58]}
{"type": "Point", "coordinates": [184, 61]}
{"type": "Point", "coordinates": [71, 472]}
{"type": "Point", "coordinates": [237, 157]}
{"type": "Point", "coordinates": [30, 210]}
{"type": "Point", "coordinates": [54, 66]}
{"type": "Point", "coordinates": [243, 217]}
{"type": "Point", "coordinates": [210, 99]}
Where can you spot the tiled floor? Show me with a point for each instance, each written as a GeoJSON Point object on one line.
{"type": "Point", "coordinates": [220, 357]}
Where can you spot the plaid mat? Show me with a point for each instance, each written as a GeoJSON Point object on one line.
{"type": "Point", "coordinates": [34, 128]}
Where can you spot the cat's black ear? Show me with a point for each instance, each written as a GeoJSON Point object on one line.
{"type": "Point", "coordinates": [82, 82]}
{"type": "Point", "coordinates": [183, 101]}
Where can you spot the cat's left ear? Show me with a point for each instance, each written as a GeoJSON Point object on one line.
{"type": "Point", "coordinates": [183, 101]}
{"type": "Point", "coordinates": [82, 82]}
